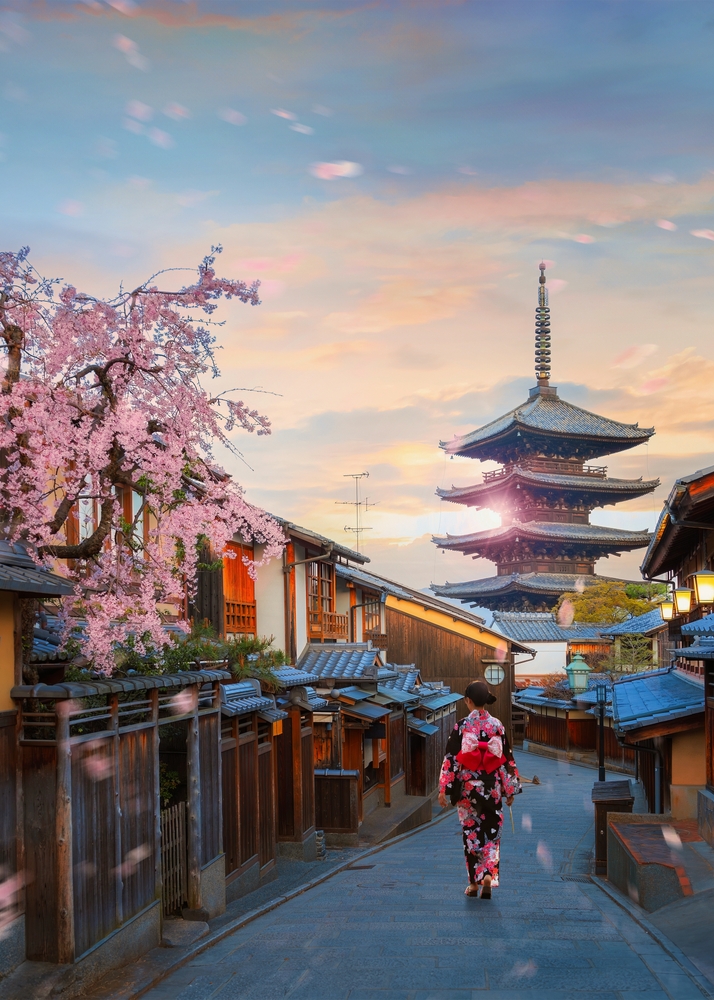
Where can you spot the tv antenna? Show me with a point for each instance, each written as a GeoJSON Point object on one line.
{"type": "Point", "coordinates": [360, 506]}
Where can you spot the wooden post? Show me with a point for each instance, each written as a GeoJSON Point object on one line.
{"type": "Point", "coordinates": [217, 749]}
{"type": "Point", "coordinates": [155, 738]}
{"type": "Point", "coordinates": [63, 832]}
{"type": "Point", "coordinates": [290, 604]}
{"type": "Point", "coordinates": [19, 809]}
{"type": "Point", "coordinates": [298, 791]}
{"type": "Point", "coordinates": [116, 777]}
{"type": "Point", "coordinates": [388, 761]}
{"type": "Point", "coordinates": [193, 774]}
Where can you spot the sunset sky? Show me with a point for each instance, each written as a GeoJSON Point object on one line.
{"type": "Point", "coordinates": [393, 173]}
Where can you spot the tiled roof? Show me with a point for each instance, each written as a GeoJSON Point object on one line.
{"type": "Point", "coordinates": [596, 534]}
{"type": "Point", "coordinates": [637, 625]}
{"type": "Point", "coordinates": [290, 677]}
{"type": "Point", "coordinates": [701, 649]}
{"type": "Point", "coordinates": [655, 696]}
{"type": "Point", "coordinates": [545, 584]}
{"type": "Point", "coordinates": [535, 626]}
{"type": "Point", "coordinates": [117, 685]}
{"type": "Point", "coordinates": [534, 697]}
{"type": "Point", "coordinates": [589, 484]}
{"type": "Point", "coordinates": [548, 415]}
{"type": "Point", "coordinates": [406, 679]}
{"type": "Point", "coordinates": [340, 661]}
{"type": "Point", "coordinates": [20, 574]}
{"type": "Point", "coordinates": [705, 626]}
{"type": "Point", "coordinates": [440, 700]}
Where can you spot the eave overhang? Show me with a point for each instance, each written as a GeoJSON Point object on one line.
{"type": "Point", "coordinates": [480, 494]}
{"type": "Point", "coordinates": [545, 532]}
{"type": "Point", "coordinates": [545, 585]}
{"type": "Point", "coordinates": [691, 499]}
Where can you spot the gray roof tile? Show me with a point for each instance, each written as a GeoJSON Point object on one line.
{"type": "Point", "coordinates": [596, 534]}
{"type": "Point", "coordinates": [705, 626]}
{"type": "Point", "coordinates": [590, 484]}
{"type": "Point", "coordinates": [549, 584]}
{"type": "Point", "coordinates": [655, 696]}
{"type": "Point", "coordinates": [637, 625]}
{"type": "Point", "coordinates": [536, 626]}
{"type": "Point", "coordinates": [340, 661]}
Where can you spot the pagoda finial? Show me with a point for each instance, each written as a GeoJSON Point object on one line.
{"type": "Point", "coordinates": [542, 332]}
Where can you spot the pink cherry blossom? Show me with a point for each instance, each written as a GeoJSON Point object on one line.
{"type": "Point", "coordinates": [103, 409]}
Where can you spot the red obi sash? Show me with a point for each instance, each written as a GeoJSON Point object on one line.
{"type": "Point", "coordinates": [480, 759]}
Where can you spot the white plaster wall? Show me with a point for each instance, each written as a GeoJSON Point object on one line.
{"type": "Point", "coordinates": [549, 659]}
{"type": "Point", "coordinates": [270, 600]}
{"type": "Point", "coordinates": [300, 601]}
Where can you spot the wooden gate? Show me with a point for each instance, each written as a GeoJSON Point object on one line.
{"type": "Point", "coordinates": [174, 859]}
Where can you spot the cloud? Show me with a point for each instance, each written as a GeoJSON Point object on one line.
{"type": "Point", "coordinates": [633, 356]}
{"type": "Point", "coordinates": [402, 302]}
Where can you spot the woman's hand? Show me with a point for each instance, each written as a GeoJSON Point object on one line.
{"type": "Point", "coordinates": [442, 800]}
{"type": "Point", "coordinates": [509, 800]}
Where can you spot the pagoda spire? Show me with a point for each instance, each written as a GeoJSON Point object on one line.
{"type": "Point", "coordinates": [542, 332]}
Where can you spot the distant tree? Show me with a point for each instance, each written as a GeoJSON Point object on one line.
{"type": "Point", "coordinates": [630, 653]}
{"type": "Point", "coordinates": [602, 603]}
{"type": "Point", "coordinates": [100, 397]}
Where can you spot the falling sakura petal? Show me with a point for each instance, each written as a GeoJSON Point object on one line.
{"type": "Point", "coordinates": [526, 822]}
{"type": "Point", "coordinates": [580, 585]}
{"type": "Point", "coordinates": [71, 207]}
{"type": "Point", "coordinates": [160, 138]}
{"type": "Point", "coordinates": [666, 224]}
{"type": "Point", "coordinates": [400, 170]}
{"type": "Point", "coordinates": [521, 969]}
{"type": "Point", "coordinates": [320, 109]}
{"type": "Point", "coordinates": [127, 7]}
{"type": "Point", "coordinates": [544, 856]}
{"type": "Point", "coordinates": [304, 129]}
{"type": "Point", "coordinates": [282, 113]}
{"type": "Point", "coordinates": [556, 285]}
{"type": "Point", "coordinates": [232, 116]}
{"type": "Point", "coordinates": [176, 111]}
{"type": "Point", "coordinates": [703, 234]}
{"type": "Point", "coordinates": [131, 50]}
{"type": "Point", "coordinates": [672, 838]}
{"type": "Point", "coordinates": [583, 238]}
{"type": "Point", "coordinates": [330, 171]}
{"type": "Point", "coordinates": [133, 126]}
{"type": "Point", "coordinates": [142, 112]}
{"type": "Point", "coordinates": [566, 614]}
{"type": "Point", "coordinates": [181, 703]}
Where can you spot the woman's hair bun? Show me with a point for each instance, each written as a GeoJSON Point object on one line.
{"type": "Point", "coordinates": [478, 692]}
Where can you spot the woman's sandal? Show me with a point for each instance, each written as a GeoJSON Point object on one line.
{"type": "Point", "coordinates": [471, 889]}
{"type": "Point", "coordinates": [486, 887]}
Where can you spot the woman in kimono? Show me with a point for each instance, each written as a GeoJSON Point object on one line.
{"type": "Point", "coordinates": [477, 773]}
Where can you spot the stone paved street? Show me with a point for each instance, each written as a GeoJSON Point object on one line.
{"type": "Point", "coordinates": [403, 930]}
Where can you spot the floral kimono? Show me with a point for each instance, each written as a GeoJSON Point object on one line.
{"type": "Point", "coordinates": [478, 772]}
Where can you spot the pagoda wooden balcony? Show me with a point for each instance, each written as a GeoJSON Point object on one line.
{"type": "Point", "coordinates": [239, 618]}
{"type": "Point", "coordinates": [554, 467]}
{"type": "Point", "coordinates": [328, 625]}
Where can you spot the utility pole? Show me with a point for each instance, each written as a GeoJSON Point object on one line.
{"type": "Point", "coordinates": [360, 506]}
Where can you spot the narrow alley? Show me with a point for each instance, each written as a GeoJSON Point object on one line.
{"type": "Point", "coordinates": [396, 926]}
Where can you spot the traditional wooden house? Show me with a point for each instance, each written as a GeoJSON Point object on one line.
{"type": "Point", "coordinates": [682, 550]}
{"type": "Point", "coordinates": [294, 601]}
{"type": "Point", "coordinates": [660, 715]}
{"type": "Point", "coordinates": [448, 644]}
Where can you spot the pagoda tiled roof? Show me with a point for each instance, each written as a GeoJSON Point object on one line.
{"type": "Point", "coordinates": [537, 626]}
{"type": "Point", "coordinates": [538, 584]}
{"type": "Point", "coordinates": [586, 534]}
{"type": "Point", "coordinates": [545, 414]}
{"type": "Point", "coordinates": [583, 483]}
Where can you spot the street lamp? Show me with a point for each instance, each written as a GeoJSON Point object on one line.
{"type": "Point", "coordinates": [601, 692]}
{"type": "Point", "coordinates": [704, 586]}
{"type": "Point", "coordinates": [683, 600]}
{"type": "Point", "coordinates": [666, 609]}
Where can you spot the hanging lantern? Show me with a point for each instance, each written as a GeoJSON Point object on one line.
{"type": "Point", "coordinates": [683, 600]}
{"type": "Point", "coordinates": [666, 609]}
{"type": "Point", "coordinates": [704, 586]}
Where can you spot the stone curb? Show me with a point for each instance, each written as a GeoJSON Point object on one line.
{"type": "Point", "coordinates": [187, 955]}
{"type": "Point", "coordinates": [662, 940]}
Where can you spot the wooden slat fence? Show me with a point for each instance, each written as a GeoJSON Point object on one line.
{"type": "Point", "coordinates": [337, 800]}
{"type": "Point", "coordinates": [174, 882]}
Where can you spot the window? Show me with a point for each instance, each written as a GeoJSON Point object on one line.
{"type": "Point", "coordinates": [371, 613]}
{"type": "Point", "coordinates": [320, 587]}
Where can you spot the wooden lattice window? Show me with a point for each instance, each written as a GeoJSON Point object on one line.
{"type": "Point", "coordinates": [238, 591]}
{"type": "Point", "coordinates": [371, 613]}
{"type": "Point", "coordinates": [320, 587]}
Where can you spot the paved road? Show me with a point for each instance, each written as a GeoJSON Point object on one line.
{"type": "Point", "coordinates": [403, 930]}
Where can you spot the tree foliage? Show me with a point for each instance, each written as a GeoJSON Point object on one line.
{"type": "Point", "coordinates": [100, 397]}
{"type": "Point", "coordinates": [607, 602]}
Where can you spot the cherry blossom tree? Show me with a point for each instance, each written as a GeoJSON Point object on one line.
{"type": "Point", "coordinates": [102, 401]}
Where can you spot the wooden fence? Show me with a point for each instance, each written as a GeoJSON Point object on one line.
{"type": "Point", "coordinates": [337, 800]}
{"type": "Point", "coordinates": [89, 760]}
{"type": "Point", "coordinates": [174, 859]}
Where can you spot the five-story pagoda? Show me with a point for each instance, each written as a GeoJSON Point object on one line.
{"type": "Point", "coordinates": [544, 492]}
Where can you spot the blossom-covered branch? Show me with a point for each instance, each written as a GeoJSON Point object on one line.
{"type": "Point", "coordinates": [106, 441]}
